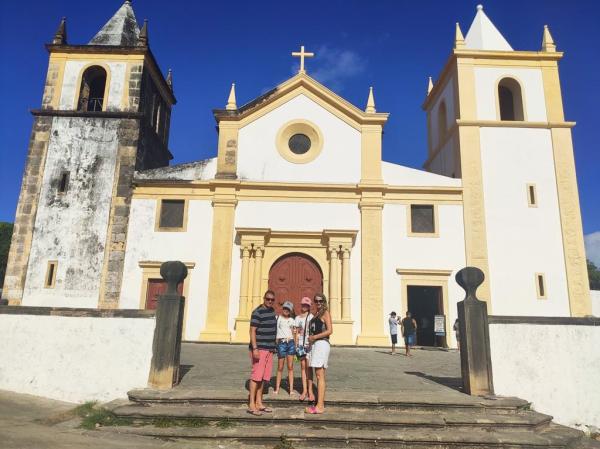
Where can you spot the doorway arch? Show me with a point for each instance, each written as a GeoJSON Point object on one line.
{"type": "Point", "coordinates": [293, 276]}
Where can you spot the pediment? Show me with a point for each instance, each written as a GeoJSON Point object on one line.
{"type": "Point", "coordinates": [301, 84]}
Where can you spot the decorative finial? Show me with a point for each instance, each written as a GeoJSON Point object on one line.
{"type": "Point", "coordinates": [429, 86]}
{"type": "Point", "coordinates": [60, 37]}
{"type": "Point", "coordinates": [459, 39]}
{"type": "Point", "coordinates": [170, 79]}
{"type": "Point", "coordinates": [302, 54]}
{"type": "Point", "coordinates": [143, 37]}
{"type": "Point", "coordinates": [479, 7]}
{"type": "Point", "coordinates": [231, 105]}
{"type": "Point", "coordinates": [548, 44]}
{"type": "Point", "coordinates": [370, 109]}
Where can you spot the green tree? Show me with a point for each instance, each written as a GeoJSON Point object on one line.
{"type": "Point", "coordinates": [594, 275]}
{"type": "Point", "coordinates": [6, 230]}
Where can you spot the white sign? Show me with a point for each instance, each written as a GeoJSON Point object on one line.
{"type": "Point", "coordinates": [439, 324]}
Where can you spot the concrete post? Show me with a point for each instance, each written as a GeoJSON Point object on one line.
{"type": "Point", "coordinates": [166, 346]}
{"type": "Point", "coordinates": [475, 360]}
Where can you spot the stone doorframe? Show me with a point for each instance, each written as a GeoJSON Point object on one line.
{"type": "Point", "coordinates": [426, 278]}
{"type": "Point", "coordinates": [260, 248]}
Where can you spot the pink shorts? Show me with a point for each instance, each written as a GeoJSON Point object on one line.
{"type": "Point", "coordinates": [261, 368]}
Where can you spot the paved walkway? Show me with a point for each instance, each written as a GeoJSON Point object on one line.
{"type": "Point", "coordinates": [428, 372]}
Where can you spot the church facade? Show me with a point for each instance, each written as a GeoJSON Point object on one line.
{"type": "Point", "coordinates": [298, 198]}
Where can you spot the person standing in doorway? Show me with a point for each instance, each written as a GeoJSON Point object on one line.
{"type": "Point", "coordinates": [286, 347]}
{"type": "Point", "coordinates": [393, 320]}
{"type": "Point", "coordinates": [303, 346]}
{"type": "Point", "coordinates": [457, 333]}
{"type": "Point", "coordinates": [409, 329]}
{"type": "Point", "coordinates": [320, 329]}
{"type": "Point", "coordinates": [263, 330]}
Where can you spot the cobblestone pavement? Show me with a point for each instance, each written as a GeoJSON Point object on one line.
{"type": "Point", "coordinates": [361, 370]}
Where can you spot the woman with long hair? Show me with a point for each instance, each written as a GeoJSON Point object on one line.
{"type": "Point", "coordinates": [320, 329]}
{"type": "Point", "coordinates": [303, 346]}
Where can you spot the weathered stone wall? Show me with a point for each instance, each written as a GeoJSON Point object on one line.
{"type": "Point", "coordinates": [31, 185]}
{"type": "Point", "coordinates": [71, 227]}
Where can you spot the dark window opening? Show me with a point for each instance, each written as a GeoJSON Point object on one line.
{"type": "Point", "coordinates": [299, 143]}
{"type": "Point", "coordinates": [91, 93]}
{"type": "Point", "coordinates": [541, 286]}
{"type": "Point", "coordinates": [171, 214]}
{"type": "Point", "coordinates": [422, 219]}
{"type": "Point", "coordinates": [532, 198]}
{"type": "Point", "coordinates": [50, 274]}
{"type": "Point", "coordinates": [510, 100]}
{"type": "Point", "coordinates": [63, 182]}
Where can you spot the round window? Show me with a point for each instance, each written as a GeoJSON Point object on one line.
{"type": "Point", "coordinates": [299, 143]}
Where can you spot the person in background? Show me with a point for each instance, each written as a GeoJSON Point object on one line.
{"type": "Point", "coordinates": [393, 321]}
{"type": "Point", "coordinates": [286, 348]}
{"type": "Point", "coordinates": [456, 328]}
{"type": "Point", "coordinates": [263, 330]}
{"type": "Point", "coordinates": [303, 346]}
{"type": "Point", "coordinates": [320, 328]}
{"type": "Point", "coordinates": [409, 329]}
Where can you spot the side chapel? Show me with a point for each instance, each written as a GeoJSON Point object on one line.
{"type": "Point", "coordinates": [298, 198]}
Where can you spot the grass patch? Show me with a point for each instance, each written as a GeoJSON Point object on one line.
{"type": "Point", "coordinates": [225, 423]}
{"type": "Point", "coordinates": [93, 416]}
{"type": "Point", "coordinates": [164, 422]}
{"type": "Point", "coordinates": [284, 443]}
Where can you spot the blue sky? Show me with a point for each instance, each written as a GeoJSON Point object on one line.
{"type": "Point", "coordinates": [391, 45]}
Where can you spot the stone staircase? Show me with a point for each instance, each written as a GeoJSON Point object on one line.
{"type": "Point", "coordinates": [352, 420]}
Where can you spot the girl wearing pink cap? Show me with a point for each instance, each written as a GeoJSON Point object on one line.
{"type": "Point", "coordinates": [303, 346]}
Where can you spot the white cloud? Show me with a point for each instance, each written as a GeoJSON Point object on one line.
{"type": "Point", "coordinates": [332, 66]}
{"type": "Point", "coordinates": [592, 247]}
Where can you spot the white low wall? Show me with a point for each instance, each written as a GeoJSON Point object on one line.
{"type": "Point", "coordinates": [595, 294]}
{"type": "Point", "coordinates": [74, 355]}
{"type": "Point", "coordinates": [552, 362]}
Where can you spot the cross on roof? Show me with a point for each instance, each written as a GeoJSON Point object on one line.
{"type": "Point", "coordinates": [302, 54]}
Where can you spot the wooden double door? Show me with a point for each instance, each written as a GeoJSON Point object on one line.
{"type": "Point", "coordinates": [157, 287]}
{"type": "Point", "coordinates": [292, 277]}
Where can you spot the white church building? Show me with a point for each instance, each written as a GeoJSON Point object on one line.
{"type": "Point", "coordinates": [297, 198]}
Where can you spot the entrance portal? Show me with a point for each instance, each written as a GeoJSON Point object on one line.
{"type": "Point", "coordinates": [294, 276]}
{"type": "Point", "coordinates": [424, 303]}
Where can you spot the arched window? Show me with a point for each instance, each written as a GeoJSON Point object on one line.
{"type": "Point", "coordinates": [442, 122]}
{"type": "Point", "coordinates": [510, 100]}
{"type": "Point", "coordinates": [91, 93]}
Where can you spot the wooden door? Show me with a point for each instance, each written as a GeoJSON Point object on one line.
{"type": "Point", "coordinates": [292, 277]}
{"type": "Point", "coordinates": [157, 287]}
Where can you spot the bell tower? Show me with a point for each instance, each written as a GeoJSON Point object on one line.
{"type": "Point", "coordinates": [105, 113]}
{"type": "Point", "coordinates": [495, 119]}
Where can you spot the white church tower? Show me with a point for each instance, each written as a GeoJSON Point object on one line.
{"type": "Point", "coordinates": [495, 119]}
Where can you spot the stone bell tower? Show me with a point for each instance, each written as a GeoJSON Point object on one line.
{"type": "Point", "coordinates": [105, 112]}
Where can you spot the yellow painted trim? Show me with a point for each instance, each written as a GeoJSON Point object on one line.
{"type": "Point", "coordinates": [371, 152]}
{"type": "Point", "coordinates": [426, 278]}
{"type": "Point", "coordinates": [158, 228]}
{"type": "Point", "coordinates": [151, 270]}
{"type": "Point", "coordinates": [299, 126]}
{"type": "Point", "coordinates": [106, 86]}
{"type": "Point", "coordinates": [96, 56]}
{"type": "Point", "coordinates": [497, 97]}
{"type": "Point", "coordinates": [514, 124]}
{"type": "Point", "coordinates": [436, 224]}
{"type": "Point", "coordinates": [54, 264]}
{"type": "Point", "coordinates": [537, 278]}
{"type": "Point", "coordinates": [528, 190]}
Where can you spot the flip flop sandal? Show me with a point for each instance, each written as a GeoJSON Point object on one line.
{"type": "Point", "coordinates": [313, 411]}
{"type": "Point", "coordinates": [265, 410]}
{"type": "Point", "coordinates": [254, 412]}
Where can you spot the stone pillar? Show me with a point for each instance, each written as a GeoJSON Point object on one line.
{"type": "Point", "coordinates": [256, 296]}
{"type": "Point", "coordinates": [243, 312]}
{"type": "Point", "coordinates": [346, 313]}
{"type": "Point", "coordinates": [475, 359]}
{"type": "Point", "coordinates": [166, 345]}
{"type": "Point", "coordinates": [334, 284]}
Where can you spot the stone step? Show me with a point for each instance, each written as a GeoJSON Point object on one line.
{"type": "Point", "coordinates": [337, 416]}
{"type": "Point", "coordinates": [407, 400]}
{"type": "Point", "coordinates": [322, 436]}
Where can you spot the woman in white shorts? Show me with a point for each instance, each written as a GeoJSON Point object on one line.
{"type": "Point", "coordinates": [320, 328]}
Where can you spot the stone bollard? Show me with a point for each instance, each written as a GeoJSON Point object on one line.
{"type": "Point", "coordinates": [166, 345]}
{"type": "Point", "coordinates": [475, 360]}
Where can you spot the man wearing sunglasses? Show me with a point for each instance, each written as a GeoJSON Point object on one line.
{"type": "Point", "coordinates": [263, 332]}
